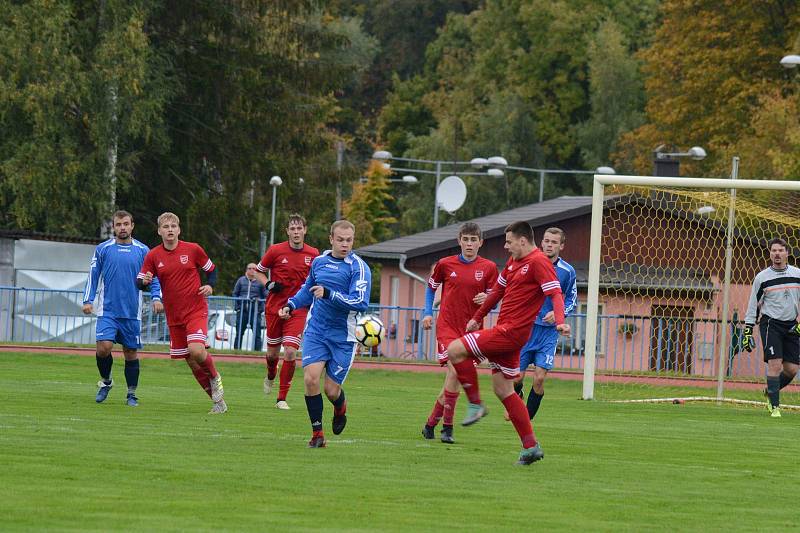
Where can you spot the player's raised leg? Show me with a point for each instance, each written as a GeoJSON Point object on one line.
{"type": "Point", "coordinates": [502, 383]}
{"type": "Point", "coordinates": [337, 369]}
{"type": "Point", "coordinates": [202, 364]}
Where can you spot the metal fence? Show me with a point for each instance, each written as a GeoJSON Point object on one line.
{"type": "Point", "coordinates": [647, 344]}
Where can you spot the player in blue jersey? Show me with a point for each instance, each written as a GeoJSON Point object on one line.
{"type": "Point", "coordinates": [337, 289]}
{"type": "Point", "coordinates": [112, 283]}
{"type": "Point", "coordinates": [540, 350]}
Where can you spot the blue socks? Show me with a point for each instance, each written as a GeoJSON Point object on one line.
{"type": "Point", "coordinates": [314, 406]}
{"type": "Point", "coordinates": [534, 400]}
{"type": "Point", "coordinates": [132, 374]}
{"type": "Point", "coordinates": [104, 366]}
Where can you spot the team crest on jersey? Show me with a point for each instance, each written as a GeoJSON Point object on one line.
{"type": "Point", "coordinates": [524, 270]}
{"type": "Point", "coordinates": [184, 259]}
{"type": "Point", "coordinates": [307, 259]}
{"type": "Point", "coordinates": [478, 275]}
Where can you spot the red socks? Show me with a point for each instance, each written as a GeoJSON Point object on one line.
{"type": "Point", "coordinates": [468, 376]}
{"type": "Point", "coordinates": [450, 399]}
{"type": "Point", "coordinates": [203, 379]}
{"type": "Point", "coordinates": [287, 372]}
{"type": "Point", "coordinates": [436, 413]}
{"type": "Point", "coordinates": [519, 417]}
{"type": "Point", "coordinates": [272, 368]}
{"type": "Point", "coordinates": [208, 366]}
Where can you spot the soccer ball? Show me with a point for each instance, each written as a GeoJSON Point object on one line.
{"type": "Point", "coordinates": [369, 330]}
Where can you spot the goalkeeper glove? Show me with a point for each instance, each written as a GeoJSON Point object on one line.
{"type": "Point", "coordinates": [795, 330]}
{"type": "Point", "coordinates": [748, 343]}
{"type": "Point", "coordinates": [274, 287]}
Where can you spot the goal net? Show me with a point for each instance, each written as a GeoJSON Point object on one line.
{"type": "Point", "coordinates": [670, 271]}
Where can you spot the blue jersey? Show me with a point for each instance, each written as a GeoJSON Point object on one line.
{"type": "Point", "coordinates": [347, 282]}
{"type": "Point", "coordinates": [112, 280]}
{"type": "Point", "coordinates": [569, 290]}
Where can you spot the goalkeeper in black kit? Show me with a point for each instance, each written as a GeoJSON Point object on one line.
{"type": "Point", "coordinates": [775, 296]}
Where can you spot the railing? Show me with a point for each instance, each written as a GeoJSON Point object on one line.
{"type": "Point", "coordinates": [625, 344]}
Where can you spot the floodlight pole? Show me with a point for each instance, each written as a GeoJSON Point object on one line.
{"type": "Point", "coordinates": [726, 285]}
{"type": "Point", "coordinates": [542, 174]}
{"type": "Point", "coordinates": [436, 195]}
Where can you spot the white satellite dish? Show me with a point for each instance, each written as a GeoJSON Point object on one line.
{"type": "Point", "coordinates": [451, 194]}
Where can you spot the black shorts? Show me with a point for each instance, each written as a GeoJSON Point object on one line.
{"type": "Point", "coordinates": [778, 342]}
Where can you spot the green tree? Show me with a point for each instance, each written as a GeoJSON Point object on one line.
{"type": "Point", "coordinates": [79, 88]}
{"type": "Point", "coordinates": [616, 95]}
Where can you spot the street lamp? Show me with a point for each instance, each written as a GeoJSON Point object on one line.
{"type": "Point", "coordinates": [408, 180]}
{"type": "Point", "coordinates": [790, 61]}
{"type": "Point", "coordinates": [667, 164]}
{"type": "Point", "coordinates": [499, 162]}
{"type": "Point", "coordinates": [276, 182]}
{"type": "Point", "coordinates": [496, 163]}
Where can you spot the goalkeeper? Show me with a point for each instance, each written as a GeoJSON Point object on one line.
{"type": "Point", "coordinates": [775, 295]}
{"type": "Point", "coordinates": [288, 264]}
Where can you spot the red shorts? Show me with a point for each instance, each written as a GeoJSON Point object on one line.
{"type": "Point", "coordinates": [498, 347]}
{"type": "Point", "coordinates": [286, 332]}
{"type": "Point", "coordinates": [180, 335]}
{"type": "Point", "coordinates": [444, 336]}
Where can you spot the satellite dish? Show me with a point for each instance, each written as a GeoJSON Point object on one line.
{"type": "Point", "coordinates": [451, 194]}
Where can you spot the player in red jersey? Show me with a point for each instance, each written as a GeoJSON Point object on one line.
{"type": "Point", "coordinates": [288, 263]}
{"type": "Point", "coordinates": [175, 263]}
{"type": "Point", "coordinates": [527, 277]}
{"type": "Point", "coordinates": [465, 280]}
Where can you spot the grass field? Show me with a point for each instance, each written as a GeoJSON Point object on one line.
{"type": "Point", "coordinates": [70, 464]}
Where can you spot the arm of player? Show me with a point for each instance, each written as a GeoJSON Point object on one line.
{"type": "Point", "coordinates": [357, 297]}
{"type": "Point", "coordinates": [92, 280]}
{"type": "Point", "coordinates": [570, 293]}
{"type": "Point", "coordinates": [211, 281]}
{"type": "Point", "coordinates": [752, 305]}
{"type": "Point", "coordinates": [558, 312]}
{"type": "Point", "coordinates": [304, 297]}
{"type": "Point", "coordinates": [155, 296]}
{"type": "Point", "coordinates": [427, 313]}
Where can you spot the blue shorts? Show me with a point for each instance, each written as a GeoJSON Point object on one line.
{"type": "Point", "coordinates": [540, 350]}
{"type": "Point", "coordinates": [337, 355]}
{"type": "Point", "coordinates": [124, 331]}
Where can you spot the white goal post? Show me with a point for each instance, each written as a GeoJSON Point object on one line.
{"type": "Point", "coordinates": [596, 239]}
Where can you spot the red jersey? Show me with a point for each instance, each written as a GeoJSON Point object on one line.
{"type": "Point", "coordinates": [522, 285]}
{"type": "Point", "coordinates": [289, 267]}
{"type": "Point", "coordinates": [177, 272]}
{"type": "Point", "coordinates": [460, 282]}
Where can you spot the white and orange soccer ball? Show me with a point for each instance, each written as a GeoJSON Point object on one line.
{"type": "Point", "coordinates": [369, 330]}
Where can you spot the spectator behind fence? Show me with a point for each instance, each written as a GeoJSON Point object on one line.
{"type": "Point", "coordinates": [250, 294]}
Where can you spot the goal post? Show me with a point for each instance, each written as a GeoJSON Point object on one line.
{"type": "Point", "coordinates": [689, 285]}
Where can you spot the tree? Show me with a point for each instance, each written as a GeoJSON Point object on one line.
{"type": "Point", "coordinates": [367, 209]}
{"type": "Point", "coordinates": [708, 66]}
{"type": "Point", "coordinates": [79, 84]}
{"type": "Point", "coordinates": [616, 95]}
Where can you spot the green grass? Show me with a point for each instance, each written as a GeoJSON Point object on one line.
{"type": "Point", "coordinates": [70, 464]}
